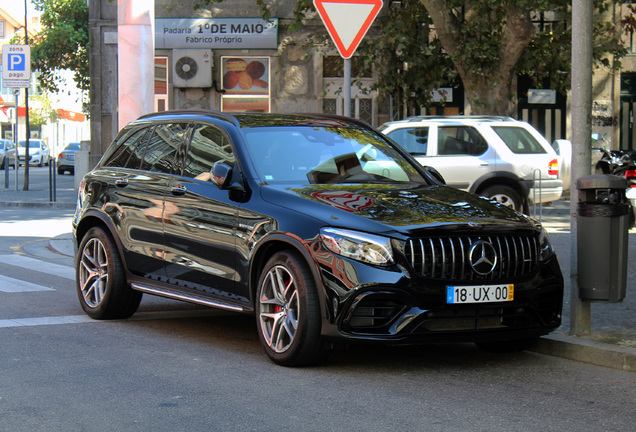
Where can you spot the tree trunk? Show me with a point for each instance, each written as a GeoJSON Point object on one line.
{"type": "Point", "coordinates": [491, 91]}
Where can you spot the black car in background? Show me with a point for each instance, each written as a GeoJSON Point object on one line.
{"type": "Point", "coordinates": [318, 225]}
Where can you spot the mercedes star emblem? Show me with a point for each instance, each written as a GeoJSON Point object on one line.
{"type": "Point", "coordinates": [483, 257]}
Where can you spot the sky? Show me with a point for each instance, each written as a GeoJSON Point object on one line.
{"type": "Point", "coordinates": [16, 9]}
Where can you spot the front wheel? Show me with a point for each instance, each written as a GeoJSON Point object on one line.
{"type": "Point", "coordinates": [504, 195]}
{"type": "Point", "coordinates": [288, 313]}
{"type": "Point", "coordinates": [102, 288]}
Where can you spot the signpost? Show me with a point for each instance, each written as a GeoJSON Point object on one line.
{"type": "Point", "coordinates": [347, 22]}
{"type": "Point", "coordinates": [16, 74]}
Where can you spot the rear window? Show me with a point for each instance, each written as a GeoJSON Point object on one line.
{"type": "Point", "coordinates": [414, 140]}
{"type": "Point", "coordinates": [519, 140]}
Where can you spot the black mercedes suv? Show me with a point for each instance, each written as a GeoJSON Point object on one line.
{"type": "Point", "coordinates": [318, 225]}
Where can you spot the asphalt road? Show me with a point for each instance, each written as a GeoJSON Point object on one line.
{"type": "Point", "coordinates": [178, 367]}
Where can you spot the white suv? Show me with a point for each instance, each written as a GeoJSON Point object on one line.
{"type": "Point", "coordinates": [497, 157]}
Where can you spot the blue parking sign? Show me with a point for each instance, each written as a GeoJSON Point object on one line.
{"type": "Point", "coordinates": [16, 66]}
{"type": "Point", "coordinates": [17, 62]}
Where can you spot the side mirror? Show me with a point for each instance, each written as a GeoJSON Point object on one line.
{"type": "Point", "coordinates": [221, 175]}
{"type": "Point", "coordinates": [435, 174]}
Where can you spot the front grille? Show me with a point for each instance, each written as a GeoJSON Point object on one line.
{"type": "Point", "coordinates": [448, 258]}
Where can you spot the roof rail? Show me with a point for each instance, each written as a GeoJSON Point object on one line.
{"type": "Point", "coordinates": [460, 117]}
{"type": "Point", "coordinates": [201, 112]}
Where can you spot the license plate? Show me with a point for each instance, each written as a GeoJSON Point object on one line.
{"type": "Point", "coordinates": [480, 293]}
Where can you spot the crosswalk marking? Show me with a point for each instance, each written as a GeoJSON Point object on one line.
{"type": "Point", "coordinates": [11, 285]}
{"type": "Point", "coordinates": [39, 321]}
{"type": "Point", "coordinates": [39, 266]}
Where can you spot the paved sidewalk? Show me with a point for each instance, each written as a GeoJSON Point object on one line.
{"type": "Point", "coordinates": [611, 342]}
{"type": "Point", "coordinates": [43, 191]}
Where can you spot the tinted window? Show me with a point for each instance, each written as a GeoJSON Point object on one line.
{"type": "Point", "coordinates": [413, 140]}
{"type": "Point", "coordinates": [320, 155]}
{"type": "Point", "coordinates": [159, 154]}
{"type": "Point", "coordinates": [519, 140]}
{"type": "Point", "coordinates": [125, 148]}
{"type": "Point", "coordinates": [460, 140]}
{"type": "Point", "coordinates": [208, 146]}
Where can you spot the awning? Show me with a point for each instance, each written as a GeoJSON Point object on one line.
{"type": "Point", "coordinates": [71, 115]}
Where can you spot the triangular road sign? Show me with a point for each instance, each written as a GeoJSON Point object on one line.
{"type": "Point", "coordinates": [347, 21]}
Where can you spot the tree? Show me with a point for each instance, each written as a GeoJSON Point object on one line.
{"type": "Point", "coordinates": [490, 43]}
{"type": "Point", "coordinates": [62, 43]}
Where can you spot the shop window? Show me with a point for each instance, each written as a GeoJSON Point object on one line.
{"type": "Point", "coordinates": [161, 83]}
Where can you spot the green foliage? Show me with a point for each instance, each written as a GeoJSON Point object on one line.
{"type": "Point", "coordinates": [62, 43]}
{"type": "Point", "coordinates": [409, 61]}
{"type": "Point", "coordinates": [41, 112]}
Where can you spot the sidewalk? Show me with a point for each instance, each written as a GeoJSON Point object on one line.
{"type": "Point", "coordinates": [41, 190]}
{"type": "Point", "coordinates": [611, 342]}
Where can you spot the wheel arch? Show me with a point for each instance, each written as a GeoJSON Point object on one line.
{"type": "Point", "coordinates": [503, 178]}
{"type": "Point", "coordinates": [96, 219]}
{"type": "Point", "coordinates": [276, 243]}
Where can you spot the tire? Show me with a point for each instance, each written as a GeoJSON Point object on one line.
{"type": "Point", "coordinates": [288, 312]}
{"type": "Point", "coordinates": [504, 195]}
{"type": "Point", "coordinates": [508, 346]}
{"type": "Point", "coordinates": [102, 288]}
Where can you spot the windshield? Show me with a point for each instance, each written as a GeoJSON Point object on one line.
{"type": "Point", "coordinates": [72, 146]}
{"type": "Point", "coordinates": [319, 155]}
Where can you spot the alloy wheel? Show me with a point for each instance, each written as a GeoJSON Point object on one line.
{"type": "Point", "coordinates": [93, 272]}
{"type": "Point", "coordinates": [279, 308]}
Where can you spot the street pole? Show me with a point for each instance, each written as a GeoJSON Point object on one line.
{"type": "Point", "coordinates": [26, 106]}
{"type": "Point", "coordinates": [346, 87]}
{"type": "Point", "coordinates": [16, 93]}
{"type": "Point", "coordinates": [580, 310]}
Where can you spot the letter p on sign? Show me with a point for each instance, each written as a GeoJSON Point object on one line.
{"type": "Point", "coordinates": [17, 62]}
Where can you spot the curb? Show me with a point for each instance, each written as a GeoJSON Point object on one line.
{"type": "Point", "coordinates": [588, 351]}
{"type": "Point", "coordinates": [52, 205]}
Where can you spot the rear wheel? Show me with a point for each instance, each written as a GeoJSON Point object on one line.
{"type": "Point", "coordinates": [288, 313]}
{"type": "Point", "coordinates": [102, 288]}
{"type": "Point", "coordinates": [504, 195]}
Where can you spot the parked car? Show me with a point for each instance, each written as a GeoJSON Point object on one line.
{"type": "Point", "coordinates": [497, 157]}
{"type": "Point", "coordinates": [320, 226]}
{"type": "Point", "coordinates": [7, 153]}
{"type": "Point", "coordinates": [66, 159]}
{"type": "Point", "coordinates": [563, 149]}
{"type": "Point", "coordinates": [39, 153]}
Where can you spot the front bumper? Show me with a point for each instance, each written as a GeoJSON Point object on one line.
{"type": "Point", "coordinates": [405, 311]}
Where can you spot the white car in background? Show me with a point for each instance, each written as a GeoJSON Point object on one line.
{"type": "Point", "coordinates": [39, 153]}
{"type": "Point", "coordinates": [498, 157]}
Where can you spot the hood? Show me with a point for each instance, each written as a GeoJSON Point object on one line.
{"type": "Point", "coordinates": [398, 207]}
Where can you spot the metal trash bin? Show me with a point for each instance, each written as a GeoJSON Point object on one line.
{"type": "Point", "coordinates": [602, 237]}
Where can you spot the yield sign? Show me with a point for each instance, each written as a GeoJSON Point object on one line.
{"type": "Point", "coordinates": [347, 21]}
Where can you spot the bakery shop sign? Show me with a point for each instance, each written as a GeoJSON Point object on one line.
{"type": "Point", "coordinates": [216, 33]}
{"type": "Point", "coordinates": [246, 84]}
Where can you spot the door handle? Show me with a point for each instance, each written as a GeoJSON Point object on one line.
{"type": "Point", "coordinates": [121, 182]}
{"type": "Point", "coordinates": [178, 190]}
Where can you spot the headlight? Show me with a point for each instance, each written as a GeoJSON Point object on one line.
{"type": "Point", "coordinates": [359, 246]}
{"type": "Point", "coordinates": [545, 247]}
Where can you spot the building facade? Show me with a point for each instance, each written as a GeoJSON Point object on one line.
{"type": "Point", "coordinates": [226, 57]}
